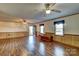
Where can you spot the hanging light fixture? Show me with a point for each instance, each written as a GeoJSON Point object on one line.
{"type": "Point", "coordinates": [48, 11]}
{"type": "Point", "coordinates": [24, 21]}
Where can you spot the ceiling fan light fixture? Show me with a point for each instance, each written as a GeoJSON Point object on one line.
{"type": "Point", "coordinates": [48, 11]}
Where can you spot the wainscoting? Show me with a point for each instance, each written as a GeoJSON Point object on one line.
{"type": "Point", "coordinates": [69, 39]}
{"type": "Point", "coordinates": [6, 35]}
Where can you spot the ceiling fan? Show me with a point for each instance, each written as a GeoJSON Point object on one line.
{"type": "Point", "coordinates": [48, 8]}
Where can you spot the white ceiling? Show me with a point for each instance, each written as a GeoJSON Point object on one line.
{"type": "Point", "coordinates": [32, 12]}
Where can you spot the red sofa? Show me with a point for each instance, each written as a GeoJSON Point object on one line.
{"type": "Point", "coordinates": [46, 38]}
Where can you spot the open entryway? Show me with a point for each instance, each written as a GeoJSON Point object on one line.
{"type": "Point", "coordinates": [32, 30]}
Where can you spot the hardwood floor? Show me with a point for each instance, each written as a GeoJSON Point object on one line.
{"type": "Point", "coordinates": [31, 46]}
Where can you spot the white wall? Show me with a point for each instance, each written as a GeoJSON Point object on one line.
{"type": "Point", "coordinates": [12, 27]}
{"type": "Point", "coordinates": [8, 23]}
{"type": "Point", "coordinates": [48, 26]}
{"type": "Point", "coordinates": [71, 25]}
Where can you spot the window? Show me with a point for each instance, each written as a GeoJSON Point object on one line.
{"type": "Point", "coordinates": [59, 27]}
{"type": "Point", "coordinates": [41, 28]}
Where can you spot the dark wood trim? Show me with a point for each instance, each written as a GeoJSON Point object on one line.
{"type": "Point", "coordinates": [72, 34]}
{"type": "Point", "coordinates": [58, 35]}
{"type": "Point", "coordinates": [56, 18]}
{"type": "Point", "coordinates": [49, 32]}
{"type": "Point", "coordinates": [68, 34]}
{"type": "Point", "coordinates": [64, 34]}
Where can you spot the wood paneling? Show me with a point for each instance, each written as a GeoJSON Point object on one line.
{"type": "Point", "coordinates": [6, 35]}
{"type": "Point", "coordinates": [68, 39]}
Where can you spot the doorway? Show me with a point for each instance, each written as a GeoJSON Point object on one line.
{"type": "Point", "coordinates": [32, 30]}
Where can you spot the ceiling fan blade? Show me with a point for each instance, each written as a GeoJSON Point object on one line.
{"type": "Point", "coordinates": [51, 5]}
{"type": "Point", "coordinates": [58, 11]}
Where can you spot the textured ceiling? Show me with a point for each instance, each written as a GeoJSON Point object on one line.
{"type": "Point", "coordinates": [33, 12]}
